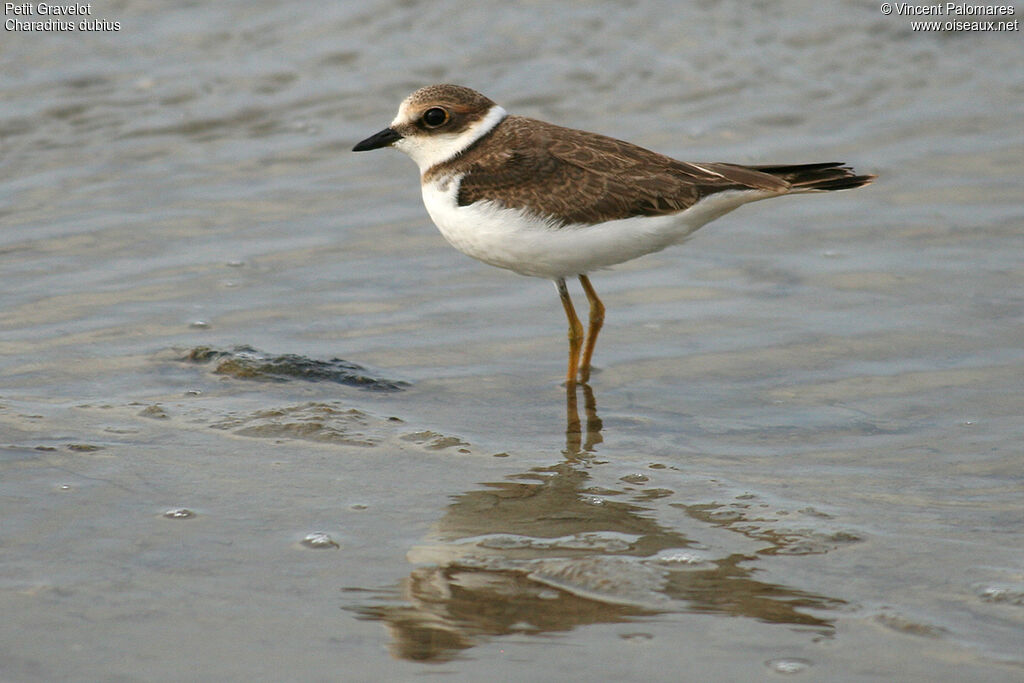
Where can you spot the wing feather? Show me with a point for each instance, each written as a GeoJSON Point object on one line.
{"type": "Point", "coordinates": [585, 178]}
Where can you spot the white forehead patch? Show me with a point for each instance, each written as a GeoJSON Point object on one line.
{"type": "Point", "coordinates": [429, 150]}
{"type": "Point", "coordinates": [403, 116]}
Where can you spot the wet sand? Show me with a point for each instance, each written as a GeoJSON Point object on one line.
{"type": "Point", "coordinates": [258, 421]}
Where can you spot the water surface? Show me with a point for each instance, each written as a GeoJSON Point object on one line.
{"type": "Point", "coordinates": [800, 453]}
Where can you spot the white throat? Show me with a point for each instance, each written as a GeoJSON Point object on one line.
{"type": "Point", "coordinates": [429, 150]}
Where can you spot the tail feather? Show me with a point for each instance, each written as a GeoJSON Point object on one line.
{"type": "Point", "coordinates": [821, 177]}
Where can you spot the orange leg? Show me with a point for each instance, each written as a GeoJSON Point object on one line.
{"type": "Point", "coordinates": [596, 321]}
{"type": "Point", "coordinates": [575, 332]}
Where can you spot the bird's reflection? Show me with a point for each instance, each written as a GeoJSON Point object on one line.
{"type": "Point", "coordinates": [581, 437]}
{"type": "Point", "coordinates": [546, 551]}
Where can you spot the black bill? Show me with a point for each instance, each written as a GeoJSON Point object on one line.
{"type": "Point", "coordinates": [377, 140]}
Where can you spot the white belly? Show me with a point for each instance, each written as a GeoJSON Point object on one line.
{"type": "Point", "coordinates": [508, 238]}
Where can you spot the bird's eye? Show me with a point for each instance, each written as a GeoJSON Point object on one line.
{"type": "Point", "coordinates": [435, 117]}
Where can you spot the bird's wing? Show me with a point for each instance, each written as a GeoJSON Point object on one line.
{"type": "Point", "coordinates": [578, 177]}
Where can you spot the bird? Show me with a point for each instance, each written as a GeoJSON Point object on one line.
{"type": "Point", "coordinates": [548, 201]}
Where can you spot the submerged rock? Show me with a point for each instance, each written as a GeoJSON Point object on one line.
{"type": "Point", "coordinates": [245, 362]}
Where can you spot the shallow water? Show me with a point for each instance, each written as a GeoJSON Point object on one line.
{"type": "Point", "coordinates": [800, 453]}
